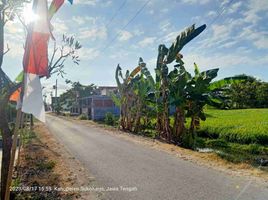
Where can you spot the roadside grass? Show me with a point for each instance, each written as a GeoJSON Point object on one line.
{"type": "Point", "coordinates": [253, 154]}
{"type": "Point", "coordinates": [37, 170]}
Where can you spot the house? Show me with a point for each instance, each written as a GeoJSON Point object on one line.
{"type": "Point", "coordinates": [96, 106]}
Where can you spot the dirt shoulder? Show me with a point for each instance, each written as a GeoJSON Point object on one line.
{"type": "Point", "coordinates": [50, 170]}
{"type": "Point", "coordinates": [210, 160]}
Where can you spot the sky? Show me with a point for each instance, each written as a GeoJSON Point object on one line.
{"type": "Point", "coordinates": [235, 40]}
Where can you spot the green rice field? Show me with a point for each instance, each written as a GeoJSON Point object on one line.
{"type": "Point", "coordinates": [247, 126]}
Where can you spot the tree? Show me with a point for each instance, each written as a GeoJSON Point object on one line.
{"type": "Point", "coordinates": [251, 93]}
{"type": "Point", "coordinates": [167, 56]}
{"type": "Point", "coordinates": [133, 92]}
{"type": "Point", "coordinates": [9, 9]}
{"type": "Point", "coordinates": [77, 91]}
{"type": "Point", "coordinates": [172, 88]}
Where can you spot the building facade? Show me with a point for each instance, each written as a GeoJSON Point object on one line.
{"type": "Point", "coordinates": [96, 106]}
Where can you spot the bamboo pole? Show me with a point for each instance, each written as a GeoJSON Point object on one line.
{"type": "Point", "coordinates": [13, 152]}
{"type": "Point", "coordinates": [22, 122]}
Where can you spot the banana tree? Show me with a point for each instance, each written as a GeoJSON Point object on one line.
{"type": "Point", "coordinates": [131, 89]}
{"type": "Point", "coordinates": [179, 78]}
{"type": "Point", "coordinates": [201, 91]}
{"type": "Point", "coordinates": [142, 85]}
{"type": "Point", "coordinates": [165, 57]}
{"type": "Point", "coordinates": [199, 95]}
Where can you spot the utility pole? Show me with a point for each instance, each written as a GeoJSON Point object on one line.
{"type": "Point", "coordinates": [55, 87]}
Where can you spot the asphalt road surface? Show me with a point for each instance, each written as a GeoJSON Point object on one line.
{"type": "Point", "coordinates": [140, 172]}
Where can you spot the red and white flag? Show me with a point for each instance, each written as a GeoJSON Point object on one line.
{"type": "Point", "coordinates": [35, 61]}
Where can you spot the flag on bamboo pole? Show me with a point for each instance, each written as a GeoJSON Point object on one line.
{"type": "Point", "coordinates": [55, 6]}
{"type": "Point", "coordinates": [32, 99]}
{"type": "Point", "coordinates": [15, 96]}
{"type": "Point", "coordinates": [35, 61]}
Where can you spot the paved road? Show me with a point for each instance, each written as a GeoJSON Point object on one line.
{"type": "Point", "coordinates": [157, 175]}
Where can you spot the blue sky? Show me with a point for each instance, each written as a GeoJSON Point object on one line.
{"type": "Point", "coordinates": [237, 42]}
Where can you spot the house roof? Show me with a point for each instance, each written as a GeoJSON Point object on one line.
{"type": "Point", "coordinates": [107, 87]}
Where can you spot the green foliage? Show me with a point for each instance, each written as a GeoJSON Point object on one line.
{"type": "Point", "coordinates": [110, 119]}
{"type": "Point", "coordinates": [133, 92]}
{"type": "Point", "coordinates": [216, 143]}
{"type": "Point", "coordinates": [181, 40]}
{"type": "Point", "coordinates": [83, 117]}
{"type": "Point", "coordinates": [188, 141]}
{"type": "Point", "coordinates": [235, 152]}
{"type": "Point", "coordinates": [251, 93]}
{"type": "Point", "coordinates": [46, 165]}
{"type": "Point", "coordinates": [77, 91]}
{"type": "Point", "coordinates": [27, 136]}
{"type": "Point", "coordinates": [16, 182]}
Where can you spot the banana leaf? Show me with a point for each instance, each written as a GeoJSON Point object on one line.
{"type": "Point", "coordinates": [181, 40]}
{"type": "Point", "coordinates": [226, 81]}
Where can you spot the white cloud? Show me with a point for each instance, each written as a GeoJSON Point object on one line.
{"type": "Point", "coordinates": [164, 10]}
{"type": "Point", "coordinates": [88, 53]}
{"type": "Point", "coordinates": [258, 38]}
{"type": "Point", "coordinates": [212, 13]}
{"type": "Point", "coordinates": [117, 55]}
{"type": "Point", "coordinates": [234, 7]}
{"type": "Point", "coordinates": [14, 27]}
{"type": "Point", "coordinates": [82, 20]}
{"type": "Point", "coordinates": [251, 17]}
{"type": "Point", "coordinates": [86, 2]}
{"type": "Point", "coordinates": [170, 37]}
{"type": "Point", "coordinates": [220, 35]}
{"type": "Point", "coordinates": [196, 19]}
{"type": "Point", "coordinates": [195, 1]}
{"type": "Point", "coordinates": [59, 27]}
{"type": "Point", "coordinates": [16, 49]}
{"type": "Point", "coordinates": [261, 43]}
{"type": "Point", "coordinates": [165, 26]}
{"type": "Point", "coordinates": [254, 9]}
{"type": "Point", "coordinates": [222, 60]}
{"type": "Point", "coordinates": [228, 44]}
{"type": "Point", "coordinates": [93, 33]}
{"type": "Point", "coordinates": [151, 12]}
{"type": "Point", "coordinates": [124, 35]}
{"type": "Point", "coordinates": [94, 2]}
{"type": "Point", "coordinates": [147, 41]}
{"type": "Point", "coordinates": [138, 32]}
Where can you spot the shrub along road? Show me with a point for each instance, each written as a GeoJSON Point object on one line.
{"type": "Point", "coordinates": [140, 172]}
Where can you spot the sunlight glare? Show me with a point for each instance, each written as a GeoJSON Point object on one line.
{"type": "Point", "coordinates": [28, 15]}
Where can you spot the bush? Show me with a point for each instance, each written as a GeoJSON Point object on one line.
{"type": "Point", "coordinates": [46, 166]}
{"type": "Point", "coordinates": [110, 119]}
{"type": "Point", "coordinates": [255, 149]}
{"type": "Point", "coordinates": [83, 117]}
{"type": "Point", "coordinates": [188, 140]}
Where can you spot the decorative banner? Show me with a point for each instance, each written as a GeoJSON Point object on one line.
{"type": "Point", "coordinates": [35, 61]}
{"type": "Point", "coordinates": [15, 96]}
{"type": "Point", "coordinates": [32, 98]}
{"type": "Point", "coordinates": [55, 6]}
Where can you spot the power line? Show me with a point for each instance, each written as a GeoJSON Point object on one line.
{"type": "Point", "coordinates": [116, 13]}
{"type": "Point", "coordinates": [126, 25]}
{"type": "Point", "coordinates": [220, 13]}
